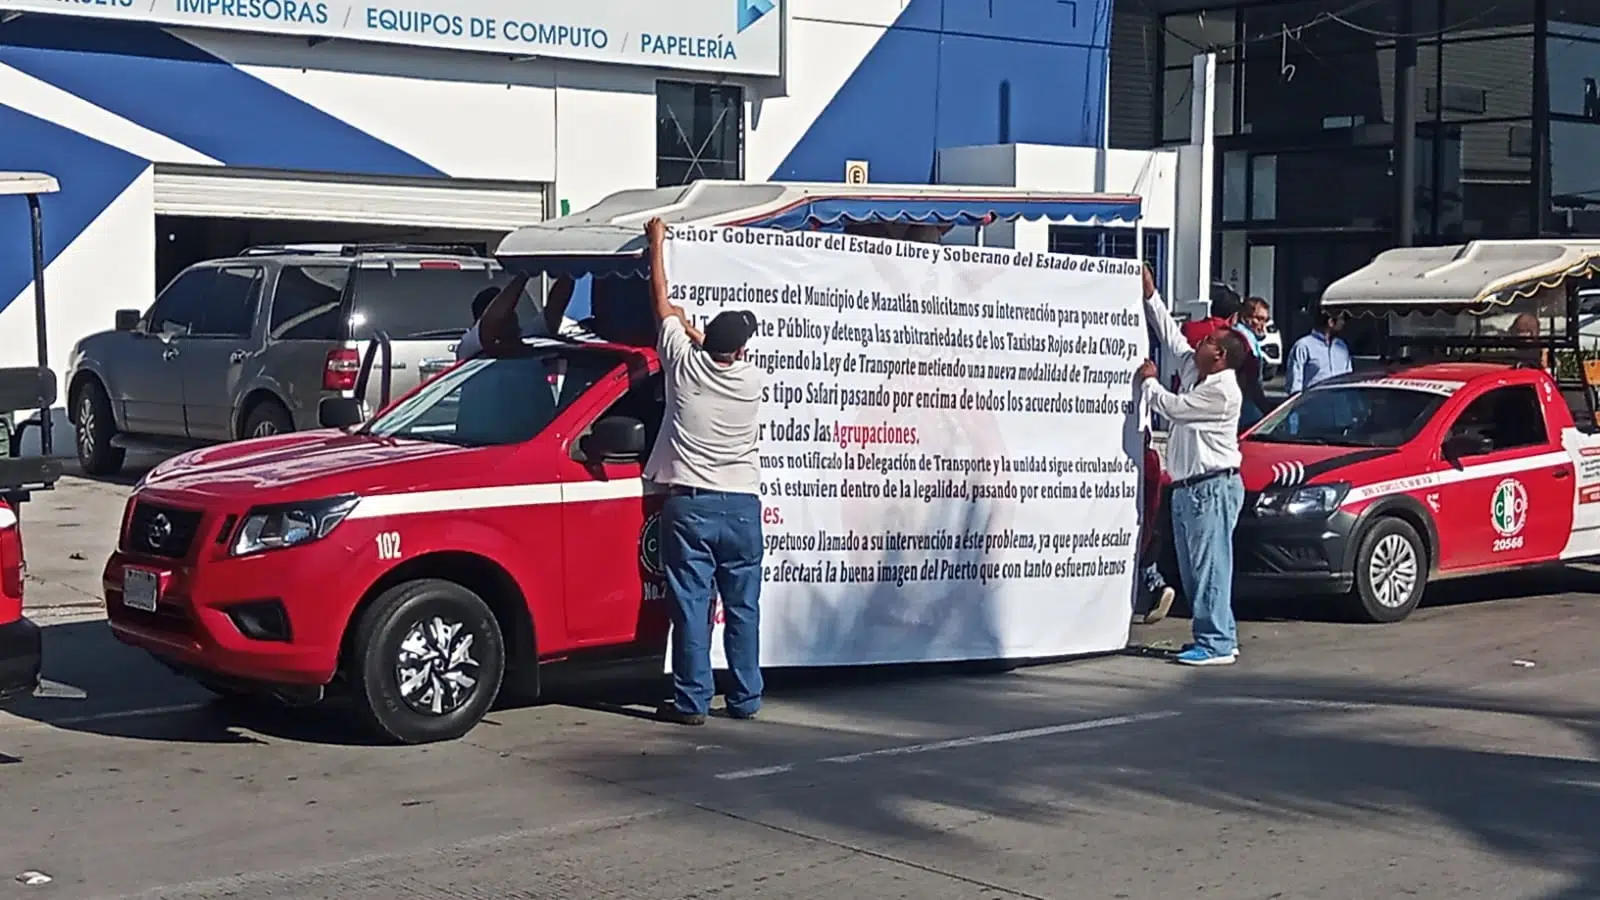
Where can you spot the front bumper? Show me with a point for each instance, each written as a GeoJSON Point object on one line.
{"type": "Point", "coordinates": [21, 651]}
{"type": "Point", "coordinates": [1280, 557]}
{"type": "Point", "coordinates": [269, 620]}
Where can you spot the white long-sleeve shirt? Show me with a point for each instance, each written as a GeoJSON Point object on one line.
{"type": "Point", "coordinates": [1204, 413]}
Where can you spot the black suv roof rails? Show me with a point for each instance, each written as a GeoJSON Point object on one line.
{"type": "Point", "coordinates": [322, 249]}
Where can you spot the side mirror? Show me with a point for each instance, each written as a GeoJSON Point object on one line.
{"type": "Point", "coordinates": [614, 439]}
{"type": "Point", "coordinates": [340, 412]}
{"type": "Point", "coordinates": [128, 319]}
{"type": "Point", "coordinates": [1460, 446]}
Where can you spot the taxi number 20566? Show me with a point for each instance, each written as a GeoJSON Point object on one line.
{"type": "Point", "coordinates": [1508, 543]}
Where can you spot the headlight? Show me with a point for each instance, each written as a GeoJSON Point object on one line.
{"type": "Point", "coordinates": [1311, 500]}
{"type": "Point", "coordinates": [290, 524]}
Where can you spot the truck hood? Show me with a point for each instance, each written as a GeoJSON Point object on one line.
{"type": "Point", "coordinates": [1285, 465]}
{"type": "Point", "coordinates": [307, 465]}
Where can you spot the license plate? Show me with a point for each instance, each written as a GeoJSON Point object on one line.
{"type": "Point", "coordinates": [140, 589]}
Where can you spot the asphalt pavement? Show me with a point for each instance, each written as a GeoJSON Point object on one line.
{"type": "Point", "coordinates": [1454, 755]}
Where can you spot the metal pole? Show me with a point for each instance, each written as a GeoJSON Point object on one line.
{"type": "Point", "coordinates": [36, 216]}
{"type": "Point", "coordinates": [1405, 128]}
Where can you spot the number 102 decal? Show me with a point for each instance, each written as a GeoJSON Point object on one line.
{"type": "Point", "coordinates": [388, 544]}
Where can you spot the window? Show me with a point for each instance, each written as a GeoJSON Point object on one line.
{"type": "Point", "coordinates": [488, 402]}
{"type": "Point", "coordinates": [699, 132]}
{"type": "Point", "coordinates": [1483, 79]}
{"type": "Point", "coordinates": [178, 307]}
{"type": "Point", "coordinates": [1116, 243]}
{"type": "Point", "coordinates": [1356, 416]}
{"type": "Point", "coordinates": [229, 307]}
{"type": "Point", "coordinates": [1484, 181]}
{"type": "Point", "coordinates": [305, 306]}
{"type": "Point", "coordinates": [1509, 417]}
{"type": "Point", "coordinates": [411, 303]}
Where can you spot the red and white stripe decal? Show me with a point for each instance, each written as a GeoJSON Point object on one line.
{"type": "Point", "coordinates": [1455, 476]}
{"type": "Point", "coordinates": [498, 497]}
{"type": "Point", "coordinates": [7, 517]}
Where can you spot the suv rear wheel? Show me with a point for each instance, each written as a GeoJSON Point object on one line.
{"type": "Point", "coordinates": [266, 418]}
{"type": "Point", "coordinates": [1391, 572]}
{"type": "Point", "coordinates": [96, 427]}
{"type": "Point", "coordinates": [426, 661]}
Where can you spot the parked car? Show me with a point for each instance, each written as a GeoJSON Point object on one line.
{"type": "Point", "coordinates": [1375, 484]}
{"type": "Point", "coordinates": [250, 345]}
{"type": "Point", "coordinates": [1271, 351]}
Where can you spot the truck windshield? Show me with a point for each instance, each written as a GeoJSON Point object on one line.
{"type": "Point", "coordinates": [494, 402]}
{"type": "Point", "coordinates": [1354, 415]}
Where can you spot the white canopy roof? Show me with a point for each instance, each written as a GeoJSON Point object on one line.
{"type": "Point", "coordinates": [614, 228]}
{"type": "Point", "coordinates": [1480, 274]}
{"type": "Point", "coordinates": [18, 183]}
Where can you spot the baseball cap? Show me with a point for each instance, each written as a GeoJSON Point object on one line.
{"type": "Point", "coordinates": [729, 332]}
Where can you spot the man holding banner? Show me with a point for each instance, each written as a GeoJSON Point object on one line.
{"type": "Point", "coordinates": [1203, 460]}
{"type": "Point", "coordinates": [706, 459]}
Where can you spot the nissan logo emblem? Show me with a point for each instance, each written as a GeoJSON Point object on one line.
{"type": "Point", "coordinates": [159, 530]}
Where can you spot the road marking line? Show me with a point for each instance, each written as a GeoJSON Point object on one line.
{"type": "Point", "coordinates": [755, 773]}
{"type": "Point", "coordinates": [1003, 737]}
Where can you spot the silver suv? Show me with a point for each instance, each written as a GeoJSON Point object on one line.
{"type": "Point", "coordinates": [250, 346]}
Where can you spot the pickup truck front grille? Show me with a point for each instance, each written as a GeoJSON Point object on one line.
{"type": "Point", "coordinates": [161, 530]}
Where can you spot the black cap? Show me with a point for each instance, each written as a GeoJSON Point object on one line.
{"type": "Point", "coordinates": [729, 332]}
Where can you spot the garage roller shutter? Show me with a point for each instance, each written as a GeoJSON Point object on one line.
{"type": "Point", "coordinates": [232, 194]}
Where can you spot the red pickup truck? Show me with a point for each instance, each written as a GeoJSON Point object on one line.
{"type": "Point", "coordinates": [1374, 484]}
{"type": "Point", "coordinates": [311, 562]}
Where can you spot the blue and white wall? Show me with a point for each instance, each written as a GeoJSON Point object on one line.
{"type": "Point", "coordinates": [97, 104]}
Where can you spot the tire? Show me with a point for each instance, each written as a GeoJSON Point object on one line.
{"type": "Point", "coordinates": [417, 617]}
{"type": "Point", "coordinates": [95, 427]}
{"type": "Point", "coordinates": [1391, 572]}
{"type": "Point", "coordinates": [266, 418]}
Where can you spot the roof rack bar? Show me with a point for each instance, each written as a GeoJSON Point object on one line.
{"type": "Point", "coordinates": [312, 248]}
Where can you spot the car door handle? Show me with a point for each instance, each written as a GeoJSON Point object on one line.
{"type": "Point", "coordinates": [236, 357]}
{"type": "Point", "coordinates": [170, 353]}
{"type": "Point", "coordinates": [1562, 473]}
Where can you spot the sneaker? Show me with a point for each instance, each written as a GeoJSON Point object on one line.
{"type": "Point", "coordinates": [1164, 598]}
{"type": "Point", "coordinates": [1187, 647]}
{"type": "Point", "coordinates": [669, 712]}
{"type": "Point", "coordinates": [745, 715]}
{"type": "Point", "coordinates": [1196, 656]}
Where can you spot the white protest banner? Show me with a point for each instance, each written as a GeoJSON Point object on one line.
{"type": "Point", "coordinates": [950, 459]}
{"type": "Point", "coordinates": [727, 36]}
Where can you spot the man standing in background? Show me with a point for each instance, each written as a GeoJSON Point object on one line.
{"type": "Point", "coordinates": [1254, 315]}
{"type": "Point", "coordinates": [1318, 356]}
{"type": "Point", "coordinates": [706, 459]}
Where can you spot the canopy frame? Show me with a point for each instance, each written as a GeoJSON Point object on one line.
{"type": "Point", "coordinates": [607, 239]}
{"type": "Point", "coordinates": [19, 476]}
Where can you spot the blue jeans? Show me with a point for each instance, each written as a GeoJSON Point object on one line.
{"type": "Point", "coordinates": [712, 539]}
{"type": "Point", "coordinates": [1203, 516]}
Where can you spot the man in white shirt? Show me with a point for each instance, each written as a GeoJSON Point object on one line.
{"type": "Point", "coordinates": [706, 458]}
{"type": "Point", "coordinates": [1203, 461]}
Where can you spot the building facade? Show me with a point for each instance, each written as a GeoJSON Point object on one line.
{"type": "Point", "coordinates": [187, 129]}
{"type": "Point", "coordinates": [1507, 125]}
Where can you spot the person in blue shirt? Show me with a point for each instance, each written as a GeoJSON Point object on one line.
{"type": "Point", "coordinates": [1254, 314]}
{"type": "Point", "coordinates": [1318, 356]}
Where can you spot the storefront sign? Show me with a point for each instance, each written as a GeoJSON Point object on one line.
{"type": "Point", "coordinates": [944, 462]}
{"type": "Point", "coordinates": [727, 36]}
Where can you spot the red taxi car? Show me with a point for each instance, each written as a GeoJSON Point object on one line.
{"type": "Point", "coordinates": [310, 562]}
{"type": "Point", "coordinates": [1375, 484]}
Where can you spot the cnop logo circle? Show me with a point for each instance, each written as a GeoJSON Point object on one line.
{"type": "Point", "coordinates": [1508, 508]}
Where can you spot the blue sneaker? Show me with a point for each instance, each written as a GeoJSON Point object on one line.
{"type": "Point", "coordinates": [1197, 656]}
{"type": "Point", "coordinates": [1187, 647]}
